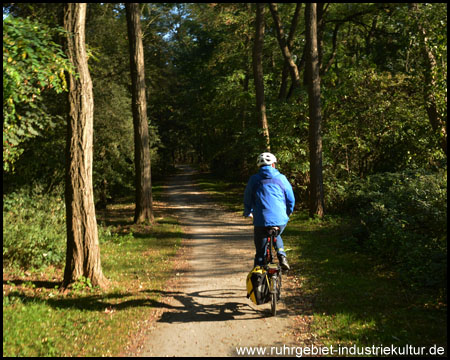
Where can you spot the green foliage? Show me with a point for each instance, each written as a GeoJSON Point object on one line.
{"type": "Point", "coordinates": [81, 284]}
{"type": "Point", "coordinates": [42, 163]}
{"type": "Point", "coordinates": [32, 64]}
{"type": "Point", "coordinates": [289, 131]}
{"type": "Point", "coordinates": [113, 142]}
{"type": "Point", "coordinates": [33, 229]}
{"type": "Point", "coordinates": [403, 221]}
{"type": "Point", "coordinates": [388, 133]}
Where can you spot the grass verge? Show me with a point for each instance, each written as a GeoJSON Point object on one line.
{"type": "Point", "coordinates": [40, 320]}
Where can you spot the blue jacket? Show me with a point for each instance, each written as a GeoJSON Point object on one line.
{"type": "Point", "coordinates": [269, 197]}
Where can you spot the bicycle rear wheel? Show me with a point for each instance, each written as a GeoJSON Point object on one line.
{"type": "Point", "coordinates": [274, 296]}
{"type": "Point", "coordinates": [279, 288]}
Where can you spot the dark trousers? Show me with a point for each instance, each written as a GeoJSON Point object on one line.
{"type": "Point", "coordinates": [260, 238]}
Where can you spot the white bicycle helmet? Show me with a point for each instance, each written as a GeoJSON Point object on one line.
{"type": "Point", "coordinates": [266, 159]}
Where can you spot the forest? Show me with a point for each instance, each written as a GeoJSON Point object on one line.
{"type": "Point", "coordinates": [357, 120]}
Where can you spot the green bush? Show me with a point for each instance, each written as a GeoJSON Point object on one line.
{"type": "Point", "coordinates": [33, 229]}
{"type": "Point", "coordinates": [403, 221]}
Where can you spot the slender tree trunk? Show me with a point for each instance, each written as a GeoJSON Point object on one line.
{"type": "Point", "coordinates": [144, 202]}
{"type": "Point", "coordinates": [437, 122]}
{"type": "Point", "coordinates": [320, 28]}
{"type": "Point", "coordinates": [284, 45]}
{"type": "Point", "coordinates": [83, 252]}
{"type": "Point", "coordinates": [284, 82]}
{"type": "Point", "coordinates": [258, 73]}
{"type": "Point", "coordinates": [315, 113]}
{"type": "Point", "coordinates": [290, 39]}
{"type": "Point", "coordinates": [244, 164]}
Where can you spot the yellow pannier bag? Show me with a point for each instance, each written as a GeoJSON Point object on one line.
{"type": "Point", "coordinates": [258, 286]}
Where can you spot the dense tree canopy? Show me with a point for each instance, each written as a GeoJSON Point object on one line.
{"type": "Point", "coordinates": [383, 90]}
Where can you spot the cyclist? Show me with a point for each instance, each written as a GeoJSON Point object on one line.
{"type": "Point", "coordinates": [269, 199]}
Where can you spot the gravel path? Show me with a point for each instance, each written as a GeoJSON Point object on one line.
{"type": "Point", "coordinates": [208, 313]}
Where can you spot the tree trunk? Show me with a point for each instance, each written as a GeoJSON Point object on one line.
{"type": "Point", "coordinates": [320, 28]}
{"type": "Point", "coordinates": [290, 39]}
{"type": "Point", "coordinates": [144, 203]}
{"type": "Point", "coordinates": [284, 44]}
{"type": "Point", "coordinates": [83, 252]}
{"type": "Point", "coordinates": [258, 73]}
{"type": "Point", "coordinates": [438, 123]}
{"type": "Point", "coordinates": [315, 113]}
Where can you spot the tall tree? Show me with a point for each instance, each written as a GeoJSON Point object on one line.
{"type": "Point", "coordinates": [258, 72]}
{"type": "Point", "coordinates": [144, 210]}
{"type": "Point", "coordinates": [316, 206]}
{"type": "Point", "coordinates": [83, 252]}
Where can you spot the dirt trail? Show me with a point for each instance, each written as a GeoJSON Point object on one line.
{"type": "Point", "coordinates": [208, 314]}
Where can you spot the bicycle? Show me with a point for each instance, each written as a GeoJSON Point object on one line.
{"type": "Point", "coordinates": [273, 269]}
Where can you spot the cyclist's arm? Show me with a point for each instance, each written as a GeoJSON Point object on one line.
{"type": "Point", "coordinates": [290, 198]}
{"type": "Point", "coordinates": [248, 210]}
